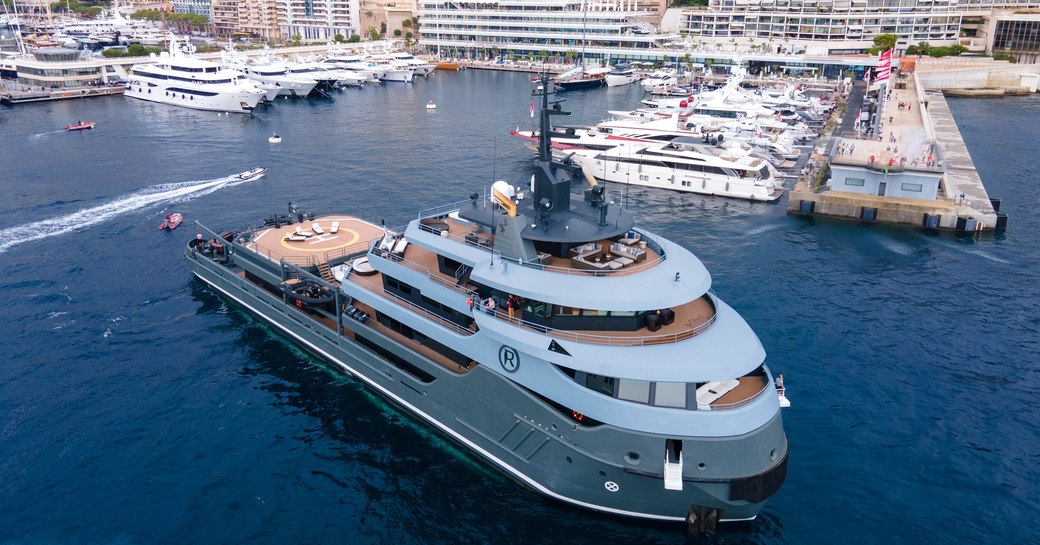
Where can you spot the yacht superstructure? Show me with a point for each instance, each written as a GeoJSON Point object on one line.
{"type": "Point", "coordinates": [582, 355]}
{"type": "Point", "coordinates": [174, 78]}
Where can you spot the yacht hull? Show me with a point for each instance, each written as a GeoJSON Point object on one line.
{"type": "Point", "coordinates": [224, 102]}
{"type": "Point", "coordinates": [679, 180]}
{"type": "Point", "coordinates": [510, 427]}
{"type": "Point", "coordinates": [617, 80]}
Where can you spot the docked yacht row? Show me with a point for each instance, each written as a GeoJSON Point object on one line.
{"type": "Point", "coordinates": [730, 142]}
{"type": "Point", "coordinates": [238, 84]}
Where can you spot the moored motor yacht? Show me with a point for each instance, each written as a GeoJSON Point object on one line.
{"type": "Point", "coordinates": [622, 74]}
{"type": "Point", "coordinates": [684, 165]}
{"type": "Point", "coordinates": [181, 80]}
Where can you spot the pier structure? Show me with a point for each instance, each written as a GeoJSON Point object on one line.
{"type": "Point", "coordinates": [914, 170]}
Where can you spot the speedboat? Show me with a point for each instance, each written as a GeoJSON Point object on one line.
{"type": "Point", "coordinates": [254, 174]}
{"type": "Point", "coordinates": [80, 126]}
{"type": "Point", "coordinates": [431, 106]}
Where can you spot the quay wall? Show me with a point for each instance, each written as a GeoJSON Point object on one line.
{"type": "Point", "coordinates": [973, 75]}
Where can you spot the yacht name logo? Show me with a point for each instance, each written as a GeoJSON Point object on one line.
{"type": "Point", "coordinates": [509, 358]}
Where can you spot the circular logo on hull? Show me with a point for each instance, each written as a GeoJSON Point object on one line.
{"type": "Point", "coordinates": [509, 358]}
{"type": "Point", "coordinates": [611, 486]}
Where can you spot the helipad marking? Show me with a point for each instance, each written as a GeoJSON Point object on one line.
{"type": "Point", "coordinates": [355, 236]}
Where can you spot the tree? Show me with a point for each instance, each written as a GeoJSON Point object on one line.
{"type": "Point", "coordinates": [397, 33]}
{"type": "Point", "coordinates": [355, 38]}
{"type": "Point", "coordinates": [373, 33]}
{"type": "Point", "coordinates": [408, 36]}
{"type": "Point", "coordinates": [407, 23]}
{"type": "Point", "coordinates": [382, 28]}
{"type": "Point", "coordinates": [296, 39]}
{"type": "Point", "coordinates": [338, 38]}
{"type": "Point", "coordinates": [883, 42]}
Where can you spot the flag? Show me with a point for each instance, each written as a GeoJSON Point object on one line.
{"type": "Point", "coordinates": [778, 117]}
{"type": "Point", "coordinates": [885, 66]}
{"type": "Point", "coordinates": [532, 108]}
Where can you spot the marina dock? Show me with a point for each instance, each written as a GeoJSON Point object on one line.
{"type": "Point", "coordinates": [19, 97]}
{"type": "Point", "coordinates": [915, 170]}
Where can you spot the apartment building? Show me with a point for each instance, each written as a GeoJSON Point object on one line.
{"type": "Point", "coordinates": [602, 28]}
{"type": "Point", "coordinates": [198, 7]}
{"type": "Point", "coordinates": [319, 20]}
{"type": "Point", "coordinates": [842, 26]}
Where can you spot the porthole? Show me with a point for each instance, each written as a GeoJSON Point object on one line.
{"type": "Point", "coordinates": [772, 454]}
{"type": "Point", "coordinates": [632, 457]}
{"type": "Point", "coordinates": [569, 461]}
{"type": "Point", "coordinates": [602, 473]}
{"type": "Point", "coordinates": [702, 466]}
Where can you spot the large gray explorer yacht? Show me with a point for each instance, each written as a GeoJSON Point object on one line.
{"type": "Point", "coordinates": [582, 355]}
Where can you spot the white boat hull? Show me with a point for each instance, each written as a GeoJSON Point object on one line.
{"type": "Point", "coordinates": [617, 80]}
{"type": "Point", "coordinates": [235, 101]}
{"type": "Point", "coordinates": [667, 178]}
{"type": "Point", "coordinates": [397, 75]}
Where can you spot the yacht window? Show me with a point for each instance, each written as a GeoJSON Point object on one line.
{"type": "Point", "coordinates": [670, 394]}
{"type": "Point", "coordinates": [763, 173]}
{"type": "Point", "coordinates": [601, 384]}
{"type": "Point", "coordinates": [634, 390]}
{"type": "Point", "coordinates": [855, 181]}
{"type": "Point", "coordinates": [912, 187]}
{"type": "Point", "coordinates": [622, 313]}
{"type": "Point", "coordinates": [567, 311]}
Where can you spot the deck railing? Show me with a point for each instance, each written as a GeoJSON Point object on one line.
{"type": "Point", "coordinates": [609, 340]}
{"type": "Point", "coordinates": [378, 290]}
{"type": "Point", "coordinates": [435, 277]}
{"type": "Point", "coordinates": [742, 402]}
{"type": "Point", "coordinates": [486, 244]}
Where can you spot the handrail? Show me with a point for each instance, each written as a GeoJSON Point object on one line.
{"type": "Point", "coordinates": [742, 402]}
{"type": "Point", "coordinates": [385, 254]}
{"type": "Point", "coordinates": [608, 340]}
{"type": "Point", "coordinates": [379, 290]}
{"type": "Point", "coordinates": [652, 242]}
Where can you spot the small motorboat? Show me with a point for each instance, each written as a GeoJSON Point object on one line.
{"type": "Point", "coordinates": [274, 138]}
{"type": "Point", "coordinates": [172, 221]}
{"type": "Point", "coordinates": [304, 292]}
{"type": "Point", "coordinates": [431, 106]}
{"type": "Point", "coordinates": [80, 126]}
{"type": "Point", "coordinates": [257, 172]}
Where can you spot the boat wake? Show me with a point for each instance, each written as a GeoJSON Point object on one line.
{"type": "Point", "coordinates": [82, 219]}
{"type": "Point", "coordinates": [40, 135]}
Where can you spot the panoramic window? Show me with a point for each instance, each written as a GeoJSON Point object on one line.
{"type": "Point", "coordinates": [912, 187]}
{"type": "Point", "coordinates": [854, 181]}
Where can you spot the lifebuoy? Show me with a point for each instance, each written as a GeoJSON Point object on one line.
{"type": "Point", "coordinates": [299, 304]}
{"type": "Point", "coordinates": [577, 416]}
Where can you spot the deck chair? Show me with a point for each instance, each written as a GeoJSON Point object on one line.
{"type": "Point", "coordinates": [316, 227]}
{"type": "Point", "coordinates": [335, 227]}
{"type": "Point", "coordinates": [302, 233]}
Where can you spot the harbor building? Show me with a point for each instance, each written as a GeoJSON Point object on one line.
{"type": "Point", "coordinates": [848, 26]}
{"type": "Point", "coordinates": [257, 18]}
{"type": "Point", "coordinates": [906, 164]}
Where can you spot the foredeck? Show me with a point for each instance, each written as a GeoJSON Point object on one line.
{"type": "Point", "coordinates": [310, 247]}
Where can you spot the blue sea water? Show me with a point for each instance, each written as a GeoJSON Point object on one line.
{"type": "Point", "coordinates": [136, 406]}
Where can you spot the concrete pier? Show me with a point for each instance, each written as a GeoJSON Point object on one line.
{"type": "Point", "coordinates": [916, 171]}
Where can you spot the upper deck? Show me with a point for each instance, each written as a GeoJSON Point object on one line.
{"type": "Point", "coordinates": [322, 240]}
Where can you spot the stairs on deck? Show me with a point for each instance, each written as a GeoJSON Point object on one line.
{"type": "Point", "coordinates": [325, 272]}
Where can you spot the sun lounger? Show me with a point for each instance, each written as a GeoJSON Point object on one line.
{"type": "Point", "coordinates": [294, 237]}
{"type": "Point", "coordinates": [400, 246]}
{"type": "Point", "coordinates": [302, 233]}
{"type": "Point", "coordinates": [316, 227]}
{"type": "Point", "coordinates": [710, 392]}
{"type": "Point", "coordinates": [335, 227]}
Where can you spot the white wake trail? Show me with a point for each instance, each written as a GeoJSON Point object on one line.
{"type": "Point", "coordinates": [177, 192]}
